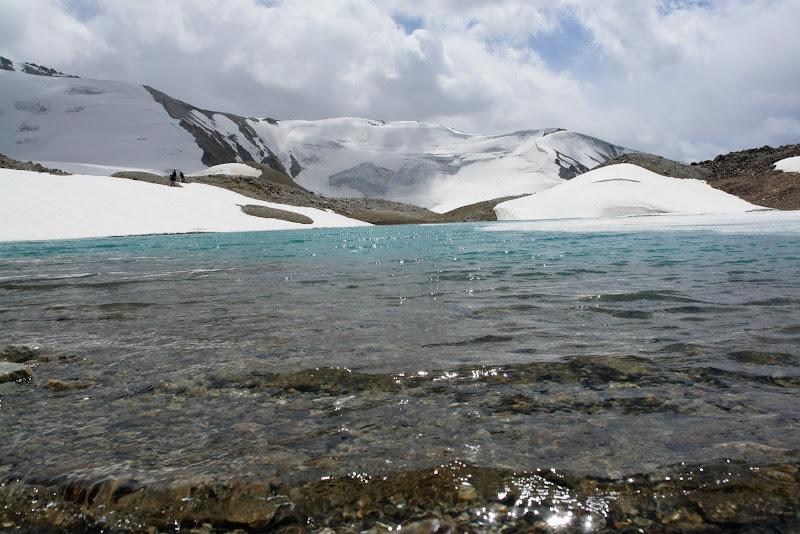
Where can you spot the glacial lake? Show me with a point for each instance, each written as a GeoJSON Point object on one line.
{"type": "Point", "coordinates": [533, 377]}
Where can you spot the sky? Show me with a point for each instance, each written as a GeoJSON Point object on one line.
{"type": "Point", "coordinates": [685, 79]}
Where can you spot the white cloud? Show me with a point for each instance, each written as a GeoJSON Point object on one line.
{"type": "Point", "coordinates": [680, 78]}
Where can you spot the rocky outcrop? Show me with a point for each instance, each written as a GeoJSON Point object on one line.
{"type": "Point", "coordinates": [10, 163]}
{"type": "Point", "coordinates": [275, 213]}
{"type": "Point", "coordinates": [218, 148]}
{"type": "Point", "coordinates": [12, 372]}
{"type": "Point", "coordinates": [751, 175]}
{"type": "Point", "coordinates": [31, 68]}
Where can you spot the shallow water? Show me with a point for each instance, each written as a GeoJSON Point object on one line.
{"type": "Point", "coordinates": [361, 354]}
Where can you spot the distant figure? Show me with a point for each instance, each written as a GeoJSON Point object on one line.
{"type": "Point", "coordinates": [173, 178]}
{"type": "Point", "coordinates": [183, 179]}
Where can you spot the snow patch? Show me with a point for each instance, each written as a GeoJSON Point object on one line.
{"type": "Point", "coordinates": [788, 164]}
{"type": "Point", "coordinates": [41, 206]}
{"type": "Point", "coordinates": [622, 190]}
{"type": "Point", "coordinates": [230, 169]}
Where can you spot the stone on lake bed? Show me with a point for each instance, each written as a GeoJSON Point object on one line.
{"type": "Point", "coordinates": [18, 354]}
{"type": "Point", "coordinates": [10, 372]}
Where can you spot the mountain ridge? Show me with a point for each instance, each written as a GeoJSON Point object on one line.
{"type": "Point", "coordinates": [113, 124]}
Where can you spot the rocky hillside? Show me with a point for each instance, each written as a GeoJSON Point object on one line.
{"type": "Point", "coordinates": [750, 174]}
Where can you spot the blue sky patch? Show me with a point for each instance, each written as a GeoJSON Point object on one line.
{"type": "Point", "coordinates": [409, 24]}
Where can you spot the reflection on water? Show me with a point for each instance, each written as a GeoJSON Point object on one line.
{"type": "Point", "coordinates": [373, 377]}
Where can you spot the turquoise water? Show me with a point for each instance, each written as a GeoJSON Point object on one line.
{"type": "Point", "coordinates": [317, 355]}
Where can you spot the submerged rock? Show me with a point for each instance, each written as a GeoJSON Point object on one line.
{"type": "Point", "coordinates": [711, 498]}
{"type": "Point", "coordinates": [18, 354]}
{"type": "Point", "coordinates": [11, 372]}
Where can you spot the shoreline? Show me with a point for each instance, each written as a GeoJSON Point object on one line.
{"type": "Point", "coordinates": [466, 498]}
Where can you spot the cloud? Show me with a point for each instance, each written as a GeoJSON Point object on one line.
{"type": "Point", "coordinates": [686, 79]}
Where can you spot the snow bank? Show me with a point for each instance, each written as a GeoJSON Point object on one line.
{"type": "Point", "coordinates": [622, 190]}
{"type": "Point", "coordinates": [231, 169]}
{"type": "Point", "coordinates": [788, 164]}
{"type": "Point", "coordinates": [39, 206]}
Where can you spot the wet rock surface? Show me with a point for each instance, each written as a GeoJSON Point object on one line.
{"type": "Point", "coordinates": [448, 496]}
{"type": "Point", "coordinates": [13, 372]}
{"type": "Point", "coordinates": [455, 497]}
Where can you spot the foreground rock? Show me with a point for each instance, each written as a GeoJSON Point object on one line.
{"type": "Point", "coordinates": [11, 372]}
{"type": "Point", "coordinates": [18, 354]}
{"type": "Point", "coordinates": [449, 498]}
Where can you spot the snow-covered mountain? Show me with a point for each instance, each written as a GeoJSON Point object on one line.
{"type": "Point", "coordinates": [97, 126]}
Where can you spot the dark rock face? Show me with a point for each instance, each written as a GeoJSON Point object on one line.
{"type": "Point", "coordinates": [295, 169]}
{"type": "Point", "coordinates": [217, 148]}
{"type": "Point", "coordinates": [568, 167]}
{"type": "Point", "coordinates": [32, 68]}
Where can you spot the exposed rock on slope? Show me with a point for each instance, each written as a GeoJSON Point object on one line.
{"type": "Point", "coordinates": [750, 174]}
{"type": "Point", "coordinates": [9, 163]}
{"type": "Point", "coordinates": [659, 165]}
{"type": "Point", "coordinates": [210, 136]}
{"type": "Point", "coordinates": [31, 68]}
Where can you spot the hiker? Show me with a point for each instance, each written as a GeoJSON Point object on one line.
{"type": "Point", "coordinates": [183, 178]}
{"type": "Point", "coordinates": [172, 178]}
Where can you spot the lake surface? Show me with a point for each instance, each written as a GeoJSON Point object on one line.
{"type": "Point", "coordinates": [496, 375]}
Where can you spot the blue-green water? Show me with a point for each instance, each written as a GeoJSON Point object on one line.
{"type": "Point", "coordinates": [311, 355]}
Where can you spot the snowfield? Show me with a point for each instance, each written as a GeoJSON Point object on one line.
{"type": "Point", "coordinates": [39, 206]}
{"type": "Point", "coordinates": [106, 124]}
{"type": "Point", "coordinates": [622, 190]}
{"type": "Point", "coordinates": [788, 164]}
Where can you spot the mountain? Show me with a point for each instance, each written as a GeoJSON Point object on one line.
{"type": "Point", "coordinates": [98, 127]}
